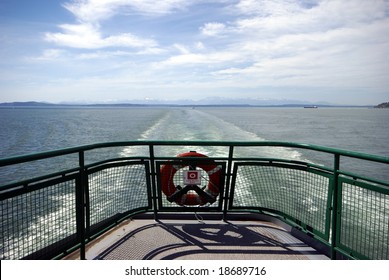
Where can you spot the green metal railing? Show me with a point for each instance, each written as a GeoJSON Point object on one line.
{"type": "Point", "coordinates": [54, 203]}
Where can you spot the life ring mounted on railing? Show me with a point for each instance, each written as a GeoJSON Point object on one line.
{"type": "Point", "coordinates": [191, 194]}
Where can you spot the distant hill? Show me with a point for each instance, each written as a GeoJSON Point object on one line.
{"type": "Point", "coordinates": [382, 105]}
{"type": "Point", "coordinates": [26, 104]}
{"type": "Point", "coordinates": [33, 104]}
{"type": "Point", "coordinates": [207, 102]}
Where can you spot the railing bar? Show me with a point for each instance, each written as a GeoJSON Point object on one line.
{"type": "Point", "coordinates": [153, 181]}
{"type": "Point", "coordinates": [335, 193]}
{"type": "Point", "coordinates": [81, 205]}
{"type": "Point", "coordinates": [63, 173]}
{"type": "Point", "coordinates": [363, 178]}
{"type": "Point", "coordinates": [228, 181]}
{"type": "Point", "coordinates": [55, 153]}
{"type": "Point", "coordinates": [121, 159]}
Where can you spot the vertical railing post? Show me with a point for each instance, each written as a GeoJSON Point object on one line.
{"type": "Point", "coordinates": [335, 206]}
{"type": "Point", "coordinates": [228, 181]}
{"type": "Point", "coordinates": [153, 180]}
{"type": "Point", "coordinates": [80, 205]}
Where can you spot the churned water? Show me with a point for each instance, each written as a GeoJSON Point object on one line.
{"type": "Point", "coordinates": [25, 131]}
{"type": "Point", "coordinates": [33, 130]}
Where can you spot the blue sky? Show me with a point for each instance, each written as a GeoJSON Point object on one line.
{"type": "Point", "coordinates": [117, 50]}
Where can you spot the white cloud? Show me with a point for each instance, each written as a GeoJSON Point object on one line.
{"type": "Point", "coordinates": [211, 59]}
{"type": "Point", "coordinates": [98, 10]}
{"type": "Point", "coordinates": [267, 8]}
{"type": "Point", "coordinates": [307, 43]}
{"type": "Point", "coordinates": [341, 58]}
{"type": "Point", "coordinates": [76, 36]}
{"type": "Point", "coordinates": [88, 36]}
{"type": "Point", "coordinates": [50, 55]}
{"type": "Point", "coordinates": [296, 16]}
{"type": "Point", "coordinates": [212, 28]}
{"type": "Point", "coordinates": [200, 46]}
{"type": "Point", "coordinates": [90, 15]}
{"type": "Point", "coordinates": [102, 55]}
{"type": "Point", "coordinates": [182, 48]}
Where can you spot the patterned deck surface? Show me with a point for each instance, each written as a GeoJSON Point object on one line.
{"type": "Point", "coordinates": [201, 240]}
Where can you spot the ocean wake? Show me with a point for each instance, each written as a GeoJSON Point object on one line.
{"type": "Point", "coordinates": [195, 125]}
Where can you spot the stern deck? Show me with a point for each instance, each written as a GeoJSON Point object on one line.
{"type": "Point", "coordinates": [200, 239]}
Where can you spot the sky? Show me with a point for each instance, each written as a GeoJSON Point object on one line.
{"type": "Point", "coordinates": [331, 51]}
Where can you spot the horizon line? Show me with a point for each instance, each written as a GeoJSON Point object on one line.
{"type": "Point", "coordinates": [129, 104]}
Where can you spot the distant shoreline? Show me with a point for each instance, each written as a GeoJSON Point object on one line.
{"type": "Point", "coordinates": [42, 105]}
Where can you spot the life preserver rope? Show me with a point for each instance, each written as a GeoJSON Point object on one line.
{"type": "Point", "coordinates": [191, 194]}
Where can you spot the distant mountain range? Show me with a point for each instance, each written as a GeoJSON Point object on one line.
{"type": "Point", "coordinates": [212, 101]}
{"type": "Point", "coordinates": [26, 104]}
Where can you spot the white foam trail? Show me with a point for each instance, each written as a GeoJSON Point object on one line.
{"type": "Point", "coordinates": [46, 229]}
{"type": "Point", "coordinates": [188, 124]}
{"type": "Point", "coordinates": [148, 134]}
{"type": "Point", "coordinates": [225, 131]}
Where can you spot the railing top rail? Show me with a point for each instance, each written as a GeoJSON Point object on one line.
{"type": "Point", "coordinates": [65, 151]}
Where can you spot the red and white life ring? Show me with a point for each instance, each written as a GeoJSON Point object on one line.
{"type": "Point", "coordinates": [192, 198]}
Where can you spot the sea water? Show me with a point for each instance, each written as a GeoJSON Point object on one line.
{"type": "Point", "coordinates": [34, 130]}
{"type": "Point", "coordinates": [25, 131]}
{"type": "Point", "coordinates": [30, 130]}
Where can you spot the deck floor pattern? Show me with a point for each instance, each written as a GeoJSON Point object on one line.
{"type": "Point", "coordinates": [201, 240]}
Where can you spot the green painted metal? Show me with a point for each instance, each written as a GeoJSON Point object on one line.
{"type": "Point", "coordinates": [80, 209]}
{"type": "Point", "coordinates": [338, 208]}
{"type": "Point", "coordinates": [61, 152]}
{"type": "Point", "coordinates": [303, 198]}
{"type": "Point", "coordinates": [335, 207]}
{"type": "Point", "coordinates": [362, 220]}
